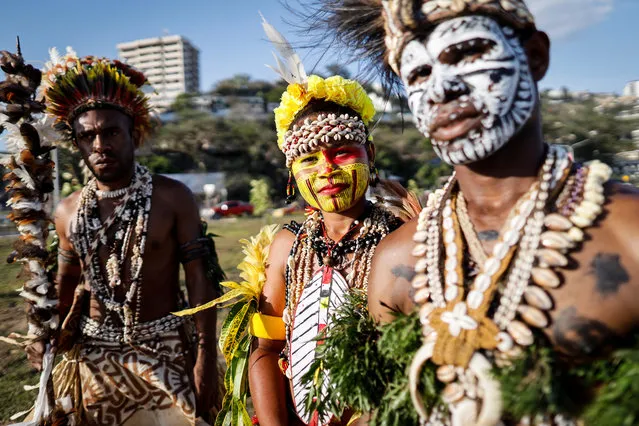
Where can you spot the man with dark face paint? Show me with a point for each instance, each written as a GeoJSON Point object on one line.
{"type": "Point", "coordinates": [122, 239]}
{"type": "Point", "coordinates": [523, 249]}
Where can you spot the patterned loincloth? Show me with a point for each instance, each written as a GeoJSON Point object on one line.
{"type": "Point", "coordinates": [131, 384]}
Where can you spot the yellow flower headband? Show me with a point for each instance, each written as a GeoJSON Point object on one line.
{"type": "Point", "coordinates": [336, 89]}
{"type": "Point", "coordinates": [303, 88]}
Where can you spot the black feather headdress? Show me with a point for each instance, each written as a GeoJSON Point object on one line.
{"type": "Point", "coordinates": [375, 31]}
{"type": "Point", "coordinates": [354, 27]}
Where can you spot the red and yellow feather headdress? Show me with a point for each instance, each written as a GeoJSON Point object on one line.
{"type": "Point", "coordinates": [73, 85]}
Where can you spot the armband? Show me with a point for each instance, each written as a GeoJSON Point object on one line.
{"type": "Point", "coordinates": [267, 327]}
{"type": "Point", "coordinates": [68, 256]}
{"type": "Point", "coordinates": [194, 249]}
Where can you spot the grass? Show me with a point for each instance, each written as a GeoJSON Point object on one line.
{"type": "Point", "coordinates": [14, 370]}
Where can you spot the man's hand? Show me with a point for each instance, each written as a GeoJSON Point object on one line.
{"type": "Point", "coordinates": [205, 383]}
{"type": "Point", "coordinates": [35, 353]}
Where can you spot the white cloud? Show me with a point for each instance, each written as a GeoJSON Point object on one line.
{"type": "Point", "coordinates": [561, 18]}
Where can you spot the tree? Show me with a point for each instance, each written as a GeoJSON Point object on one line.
{"type": "Point", "coordinates": [593, 132]}
{"type": "Point", "coordinates": [260, 197]}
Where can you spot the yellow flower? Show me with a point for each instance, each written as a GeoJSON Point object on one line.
{"type": "Point", "coordinates": [253, 273]}
{"type": "Point", "coordinates": [348, 93]}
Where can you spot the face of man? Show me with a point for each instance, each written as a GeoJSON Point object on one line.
{"type": "Point", "coordinates": [469, 87]}
{"type": "Point", "coordinates": [105, 139]}
{"type": "Point", "coordinates": [333, 179]}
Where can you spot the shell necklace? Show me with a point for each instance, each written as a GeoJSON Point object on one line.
{"type": "Point", "coordinates": [460, 329]}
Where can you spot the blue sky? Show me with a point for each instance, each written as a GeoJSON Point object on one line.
{"type": "Point", "coordinates": [595, 42]}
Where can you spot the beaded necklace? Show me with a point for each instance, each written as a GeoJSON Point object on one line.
{"type": "Point", "coordinates": [463, 329]}
{"type": "Point", "coordinates": [313, 295]}
{"type": "Point", "coordinates": [128, 222]}
{"type": "Point", "coordinates": [309, 242]}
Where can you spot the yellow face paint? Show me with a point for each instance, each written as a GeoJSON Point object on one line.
{"type": "Point", "coordinates": [333, 179]}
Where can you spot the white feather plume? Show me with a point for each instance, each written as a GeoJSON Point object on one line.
{"type": "Point", "coordinates": [14, 142]}
{"type": "Point", "coordinates": [24, 176]}
{"type": "Point", "coordinates": [289, 65]}
{"type": "Point", "coordinates": [54, 58]}
{"type": "Point", "coordinates": [48, 134]}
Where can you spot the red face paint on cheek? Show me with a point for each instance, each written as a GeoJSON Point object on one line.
{"type": "Point", "coordinates": [345, 155]}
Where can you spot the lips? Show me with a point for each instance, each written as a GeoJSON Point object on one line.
{"type": "Point", "coordinates": [103, 161]}
{"type": "Point", "coordinates": [455, 120]}
{"type": "Point", "coordinates": [332, 189]}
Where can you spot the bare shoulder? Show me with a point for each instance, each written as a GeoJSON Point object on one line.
{"type": "Point", "coordinates": [280, 248]}
{"type": "Point", "coordinates": [171, 188]}
{"type": "Point", "coordinates": [389, 288]}
{"type": "Point", "coordinates": [273, 300]}
{"type": "Point", "coordinates": [69, 204]}
{"type": "Point", "coordinates": [65, 210]}
{"type": "Point", "coordinates": [399, 243]}
{"type": "Point", "coordinates": [174, 196]}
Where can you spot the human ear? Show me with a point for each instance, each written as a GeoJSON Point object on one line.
{"type": "Point", "coordinates": [537, 49]}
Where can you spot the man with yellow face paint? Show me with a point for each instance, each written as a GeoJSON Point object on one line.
{"type": "Point", "coordinates": [322, 130]}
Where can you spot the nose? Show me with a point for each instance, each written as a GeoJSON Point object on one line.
{"type": "Point", "coordinates": [447, 88]}
{"type": "Point", "coordinates": [99, 144]}
{"type": "Point", "coordinates": [328, 166]}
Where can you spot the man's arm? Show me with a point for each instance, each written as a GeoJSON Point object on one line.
{"type": "Point", "coordinates": [392, 270]}
{"type": "Point", "coordinates": [200, 290]}
{"type": "Point", "coordinates": [268, 384]}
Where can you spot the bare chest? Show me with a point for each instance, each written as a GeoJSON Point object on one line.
{"type": "Point", "coordinates": [595, 307]}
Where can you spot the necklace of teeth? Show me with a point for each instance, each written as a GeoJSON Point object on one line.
{"type": "Point", "coordinates": [461, 331]}
{"type": "Point", "coordinates": [128, 221]}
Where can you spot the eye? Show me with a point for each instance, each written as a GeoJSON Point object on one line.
{"type": "Point", "coordinates": [84, 137]}
{"type": "Point", "coordinates": [308, 160]}
{"type": "Point", "coordinates": [467, 51]}
{"type": "Point", "coordinates": [113, 132]}
{"type": "Point", "coordinates": [419, 74]}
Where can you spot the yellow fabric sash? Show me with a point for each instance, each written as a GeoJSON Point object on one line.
{"type": "Point", "coordinates": [267, 327]}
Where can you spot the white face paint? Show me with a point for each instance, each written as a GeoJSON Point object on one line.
{"type": "Point", "coordinates": [469, 87]}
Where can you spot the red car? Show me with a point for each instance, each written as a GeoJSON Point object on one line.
{"type": "Point", "coordinates": [232, 208]}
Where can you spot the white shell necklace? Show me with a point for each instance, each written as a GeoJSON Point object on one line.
{"type": "Point", "coordinates": [460, 330]}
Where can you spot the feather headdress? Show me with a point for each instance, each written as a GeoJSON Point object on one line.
{"type": "Point", "coordinates": [30, 180]}
{"type": "Point", "coordinates": [73, 85]}
{"type": "Point", "coordinates": [302, 88]}
{"type": "Point", "coordinates": [376, 31]}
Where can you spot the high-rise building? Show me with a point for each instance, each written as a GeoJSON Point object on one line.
{"type": "Point", "coordinates": [632, 89]}
{"type": "Point", "coordinates": [171, 63]}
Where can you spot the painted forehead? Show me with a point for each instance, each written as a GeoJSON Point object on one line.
{"type": "Point", "coordinates": [451, 32]}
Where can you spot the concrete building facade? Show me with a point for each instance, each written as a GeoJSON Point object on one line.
{"type": "Point", "coordinates": [632, 89]}
{"type": "Point", "coordinates": [171, 63]}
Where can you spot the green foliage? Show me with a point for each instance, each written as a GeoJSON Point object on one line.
{"type": "Point", "coordinates": [260, 196]}
{"type": "Point", "coordinates": [244, 150]}
{"type": "Point", "coordinates": [235, 343]}
{"type": "Point", "coordinates": [399, 342]}
{"type": "Point", "coordinates": [594, 132]}
{"type": "Point", "coordinates": [603, 392]}
{"type": "Point", "coordinates": [536, 383]}
{"type": "Point", "coordinates": [159, 164]}
{"type": "Point", "coordinates": [350, 359]}
{"type": "Point", "coordinates": [616, 401]}
{"type": "Point", "coordinates": [367, 366]}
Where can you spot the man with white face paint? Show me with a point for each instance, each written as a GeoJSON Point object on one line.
{"type": "Point", "coordinates": [470, 91]}
{"type": "Point", "coordinates": [524, 254]}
